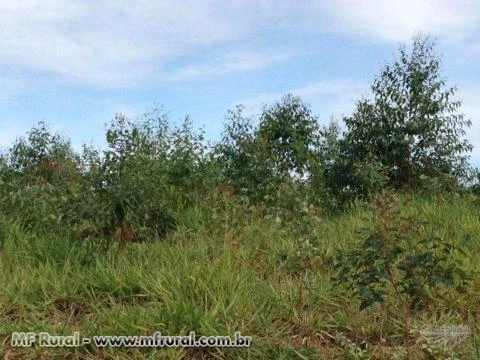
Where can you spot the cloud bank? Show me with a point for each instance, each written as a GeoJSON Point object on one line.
{"type": "Point", "coordinates": [129, 43]}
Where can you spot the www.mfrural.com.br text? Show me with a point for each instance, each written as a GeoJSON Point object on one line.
{"type": "Point", "coordinates": [45, 339]}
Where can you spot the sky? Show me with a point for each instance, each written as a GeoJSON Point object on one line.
{"type": "Point", "coordinates": [75, 64]}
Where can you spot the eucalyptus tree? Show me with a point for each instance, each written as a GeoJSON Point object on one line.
{"type": "Point", "coordinates": [412, 127]}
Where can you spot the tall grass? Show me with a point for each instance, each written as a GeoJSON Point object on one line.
{"type": "Point", "coordinates": [220, 271]}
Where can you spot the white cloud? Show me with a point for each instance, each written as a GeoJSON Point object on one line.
{"type": "Point", "coordinates": [398, 20]}
{"type": "Point", "coordinates": [110, 42]}
{"type": "Point", "coordinates": [132, 43]}
{"type": "Point", "coordinates": [231, 62]}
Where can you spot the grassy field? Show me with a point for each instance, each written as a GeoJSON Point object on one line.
{"type": "Point", "coordinates": [226, 269]}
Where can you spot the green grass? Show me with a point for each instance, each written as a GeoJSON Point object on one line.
{"type": "Point", "coordinates": [218, 273]}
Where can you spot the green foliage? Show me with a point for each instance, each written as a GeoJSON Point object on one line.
{"type": "Point", "coordinates": [36, 155]}
{"type": "Point", "coordinates": [475, 181]}
{"type": "Point", "coordinates": [126, 173]}
{"type": "Point", "coordinates": [403, 264]}
{"type": "Point", "coordinates": [148, 173]}
{"type": "Point", "coordinates": [297, 216]}
{"type": "Point", "coordinates": [399, 258]}
{"type": "Point", "coordinates": [289, 136]}
{"type": "Point", "coordinates": [281, 149]}
{"type": "Point", "coordinates": [132, 190]}
{"type": "Point", "coordinates": [240, 159]}
{"type": "Point", "coordinates": [41, 177]}
{"type": "Point", "coordinates": [347, 180]}
{"type": "Point", "coordinates": [189, 169]}
{"type": "Point", "coordinates": [220, 275]}
{"type": "Point", "coordinates": [232, 213]}
{"type": "Point", "coordinates": [134, 176]}
{"type": "Point", "coordinates": [408, 135]}
{"type": "Point", "coordinates": [412, 126]}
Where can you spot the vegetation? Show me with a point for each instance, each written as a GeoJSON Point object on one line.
{"type": "Point", "coordinates": [410, 133]}
{"type": "Point", "coordinates": [316, 244]}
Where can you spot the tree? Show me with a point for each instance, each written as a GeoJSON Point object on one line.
{"type": "Point", "coordinates": [43, 157]}
{"type": "Point", "coordinates": [42, 181]}
{"type": "Point", "coordinates": [290, 135]}
{"type": "Point", "coordinates": [413, 127]}
{"type": "Point", "coordinates": [281, 149]}
{"type": "Point", "coordinates": [239, 157]}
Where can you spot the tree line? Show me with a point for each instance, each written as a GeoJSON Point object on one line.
{"type": "Point", "coordinates": [409, 134]}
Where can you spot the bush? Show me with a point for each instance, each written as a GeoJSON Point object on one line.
{"type": "Point", "coordinates": [402, 261]}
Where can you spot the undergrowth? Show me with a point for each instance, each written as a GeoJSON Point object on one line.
{"type": "Point", "coordinates": [227, 267]}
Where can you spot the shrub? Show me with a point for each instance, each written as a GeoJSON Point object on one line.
{"type": "Point", "coordinates": [401, 261]}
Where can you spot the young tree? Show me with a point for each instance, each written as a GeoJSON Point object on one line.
{"type": "Point", "coordinates": [44, 157]}
{"type": "Point", "coordinates": [281, 149]}
{"type": "Point", "coordinates": [238, 156]}
{"type": "Point", "coordinates": [290, 135]}
{"type": "Point", "coordinates": [413, 127]}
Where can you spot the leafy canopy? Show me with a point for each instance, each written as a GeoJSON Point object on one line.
{"type": "Point", "coordinates": [412, 126]}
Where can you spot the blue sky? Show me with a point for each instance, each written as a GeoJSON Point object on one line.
{"type": "Point", "coordinates": [75, 64]}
